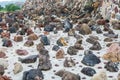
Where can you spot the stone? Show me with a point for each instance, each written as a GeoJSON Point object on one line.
{"type": "Point", "coordinates": [66, 75]}
{"type": "Point", "coordinates": [18, 38]}
{"type": "Point", "coordinates": [29, 31]}
{"type": "Point", "coordinates": [78, 46]}
{"type": "Point", "coordinates": [88, 71]}
{"type": "Point", "coordinates": [112, 66]}
{"type": "Point", "coordinates": [90, 59]}
{"type": "Point", "coordinates": [2, 54]}
{"type": "Point", "coordinates": [29, 43]}
{"type": "Point", "coordinates": [2, 70]}
{"type": "Point", "coordinates": [55, 48]}
{"type": "Point", "coordinates": [4, 63]}
{"type": "Point", "coordinates": [61, 42]}
{"type": "Point", "coordinates": [12, 30]}
{"type": "Point", "coordinates": [108, 40]}
{"type": "Point", "coordinates": [7, 43]}
{"type": "Point", "coordinates": [100, 76]}
{"type": "Point", "coordinates": [60, 54]}
{"type": "Point", "coordinates": [21, 52]}
{"type": "Point", "coordinates": [40, 46]}
{"type": "Point", "coordinates": [72, 50]}
{"type": "Point", "coordinates": [49, 28]}
{"type": "Point", "coordinates": [44, 39]}
{"type": "Point", "coordinates": [44, 52]}
{"type": "Point", "coordinates": [29, 59]}
{"type": "Point", "coordinates": [5, 34]}
{"type": "Point", "coordinates": [94, 37]}
{"type": "Point", "coordinates": [111, 34]}
{"type": "Point", "coordinates": [4, 77]}
{"type": "Point", "coordinates": [85, 29]}
{"type": "Point", "coordinates": [118, 77]}
{"type": "Point", "coordinates": [98, 31]}
{"type": "Point", "coordinates": [101, 22]}
{"type": "Point", "coordinates": [91, 40]}
{"type": "Point", "coordinates": [33, 74]}
{"type": "Point", "coordinates": [32, 37]}
{"type": "Point", "coordinates": [96, 46]}
{"type": "Point", "coordinates": [17, 68]}
{"type": "Point", "coordinates": [78, 36]}
{"type": "Point", "coordinates": [71, 32]}
{"type": "Point", "coordinates": [116, 26]}
{"type": "Point", "coordinates": [69, 62]}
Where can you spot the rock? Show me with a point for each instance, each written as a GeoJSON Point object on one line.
{"type": "Point", "coordinates": [88, 71]}
{"type": "Point", "coordinates": [90, 59]}
{"type": "Point", "coordinates": [12, 30]}
{"type": "Point", "coordinates": [116, 26]}
{"type": "Point", "coordinates": [2, 54]}
{"type": "Point", "coordinates": [118, 77]}
{"type": "Point", "coordinates": [60, 54]}
{"type": "Point", "coordinates": [99, 31]}
{"type": "Point", "coordinates": [44, 39]}
{"type": "Point", "coordinates": [112, 67]}
{"type": "Point", "coordinates": [72, 50]}
{"type": "Point", "coordinates": [108, 40]}
{"type": "Point", "coordinates": [5, 34]}
{"type": "Point", "coordinates": [21, 52]}
{"type": "Point", "coordinates": [40, 46]}
{"type": "Point", "coordinates": [78, 36]}
{"type": "Point", "coordinates": [33, 74]}
{"type": "Point", "coordinates": [111, 34]}
{"type": "Point", "coordinates": [113, 53]}
{"type": "Point", "coordinates": [18, 38]}
{"type": "Point", "coordinates": [91, 40]}
{"type": "Point", "coordinates": [78, 46]}
{"type": "Point", "coordinates": [66, 75]}
{"type": "Point", "coordinates": [7, 43]}
{"type": "Point", "coordinates": [17, 68]}
{"type": "Point", "coordinates": [44, 52]}
{"type": "Point", "coordinates": [32, 37]}
{"type": "Point", "coordinates": [4, 77]}
{"type": "Point", "coordinates": [100, 76]}
{"type": "Point", "coordinates": [96, 46]}
{"type": "Point", "coordinates": [85, 29]}
{"type": "Point", "coordinates": [94, 37]}
{"type": "Point", "coordinates": [4, 63]}
{"type": "Point", "coordinates": [101, 22]}
{"type": "Point", "coordinates": [29, 59]}
{"type": "Point", "coordinates": [55, 48]}
{"type": "Point", "coordinates": [29, 43]}
{"type": "Point", "coordinates": [49, 28]}
{"type": "Point", "coordinates": [2, 70]}
{"type": "Point", "coordinates": [61, 42]}
{"type": "Point", "coordinates": [71, 32]}
{"type": "Point", "coordinates": [69, 62]}
{"type": "Point", "coordinates": [29, 31]}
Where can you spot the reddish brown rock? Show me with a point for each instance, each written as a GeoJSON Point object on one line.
{"type": "Point", "coordinates": [5, 34]}
{"type": "Point", "coordinates": [29, 31]}
{"type": "Point", "coordinates": [32, 37]}
{"type": "Point", "coordinates": [2, 54]}
{"type": "Point", "coordinates": [60, 54]}
{"type": "Point", "coordinates": [18, 38]}
{"type": "Point", "coordinates": [108, 40]}
{"type": "Point", "coordinates": [21, 52]}
{"type": "Point", "coordinates": [4, 77]}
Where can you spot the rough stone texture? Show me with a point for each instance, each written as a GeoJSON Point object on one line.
{"type": "Point", "coordinates": [29, 43]}
{"type": "Point", "coordinates": [40, 46]}
{"type": "Point", "coordinates": [60, 54]}
{"type": "Point", "coordinates": [66, 75]}
{"type": "Point", "coordinates": [17, 68]}
{"type": "Point", "coordinates": [21, 52]}
{"type": "Point", "coordinates": [2, 70]}
{"type": "Point", "coordinates": [49, 28]}
{"type": "Point", "coordinates": [67, 25]}
{"type": "Point", "coordinates": [96, 46]}
{"type": "Point", "coordinates": [88, 71]}
{"type": "Point", "coordinates": [5, 34]}
{"type": "Point", "coordinates": [108, 40]}
{"type": "Point", "coordinates": [32, 37]}
{"type": "Point", "coordinates": [18, 38]}
{"type": "Point", "coordinates": [55, 48]}
{"type": "Point", "coordinates": [33, 74]}
{"type": "Point", "coordinates": [69, 62]}
{"type": "Point", "coordinates": [72, 50]}
{"type": "Point", "coordinates": [99, 31]}
{"type": "Point", "coordinates": [91, 40]}
{"type": "Point", "coordinates": [71, 32]}
{"type": "Point", "coordinates": [61, 42]}
{"type": "Point", "coordinates": [44, 39]}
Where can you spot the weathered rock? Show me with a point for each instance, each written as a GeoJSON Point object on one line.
{"type": "Point", "coordinates": [32, 37]}
{"type": "Point", "coordinates": [71, 32]}
{"type": "Point", "coordinates": [29, 43]}
{"type": "Point", "coordinates": [55, 48]}
{"type": "Point", "coordinates": [78, 46]}
{"type": "Point", "coordinates": [44, 52]}
{"type": "Point", "coordinates": [17, 68]}
{"type": "Point", "coordinates": [100, 76]}
{"type": "Point", "coordinates": [49, 28]}
{"type": "Point", "coordinates": [69, 62]}
{"type": "Point", "coordinates": [2, 70]}
{"type": "Point", "coordinates": [108, 40]}
{"type": "Point", "coordinates": [40, 46]}
{"type": "Point", "coordinates": [29, 31]}
{"type": "Point", "coordinates": [21, 52]}
{"type": "Point", "coordinates": [7, 43]}
{"type": "Point", "coordinates": [112, 67]}
{"type": "Point", "coordinates": [61, 42]}
{"type": "Point", "coordinates": [99, 31]}
{"type": "Point", "coordinates": [5, 34]}
{"type": "Point", "coordinates": [4, 63]}
{"type": "Point", "coordinates": [60, 54]}
{"type": "Point", "coordinates": [91, 40]}
{"type": "Point", "coordinates": [72, 50]}
{"type": "Point", "coordinates": [18, 38]}
{"type": "Point", "coordinates": [67, 75]}
{"type": "Point", "coordinates": [33, 74]}
{"type": "Point", "coordinates": [2, 54]}
{"type": "Point", "coordinates": [88, 71]}
{"type": "Point", "coordinates": [96, 46]}
{"type": "Point", "coordinates": [90, 59]}
{"type": "Point", "coordinates": [85, 29]}
{"type": "Point", "coordinates": [29, 59]}
{"type": "Point", "coordinates": [44, 39]}
{"type": "Point", "coordinates": [78, 36]}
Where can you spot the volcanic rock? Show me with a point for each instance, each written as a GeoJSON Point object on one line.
{"type": "Point", "coordinates": [17, 68]}
{"type": "Point", "coordinates": [21, 52]}
{"type": "Point", "coordinates": [29, 43]}
{"type": "Point", "coordinates": [7, 42]}
{"type": "Point", "coordinates": [55, 48]}
{"type": "Point", "coordinates": [72, 50]}
{"type": "Point", "coordinates": [60, 54]}
{"type": "Point", "coordinates": [69, 62]}
{"type": "Point", "coordinates": [61, 42]}
{"type": "Point", "coordinates": [18, 38]}
{"type": "Point", "coordinates": [32, 37]}
{"type": "Point", "coordinates": [33, 74]}
{"type": "Point", "coordinates": [2, 70]}
{"type": "Point", "coordinates": [66, 75]}
{"type": "Point", "coordinates": [88, 71]}
{"type": "Point", "coordinates": [44, 39]}
{"type": "Point", "coordinates": [29, 59]}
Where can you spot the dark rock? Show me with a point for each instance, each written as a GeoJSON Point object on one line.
{"type": "Point", "coordinates": [111, 35]}
{"type": "Point", "coordinates": [29, 43]}
{"type": "Point", "coordinates": [12, 30]}
{"type": "Point", "coordinates": [21, 52]}
{"type": "Point", "coordinates": [66, 75]}
{"type": "Point", "coordinates": [2, 54]}
{"type": "Point", "coordinates": [29, 59]}
{"type": "Point", "coordinates": [78, 36]}
{"type": "Point", "coordinates": [2, 70]}
{"type": "Point", "coordinates": [44, 39]}
{"type": "Point", "coordinates": [44, 52]}
{"type": "Point", "coordinates": [61, 42]}
{"type": "Point", "coordinates": [49, 28]}
{"type": "Point", "coordinates": [90, 59]}
{"type": "Point", "coordinates": [7, 43]}
{"type": "Point", "coordinates": [40, 46]}
{"type": "Point", "coordinates": [55, 48]}
{"type": "Point", "coordinates": [88, 71]}
{"type": "Point", "coordinates": [69, 62]}
{"type": "Point", "coordinates": [72, 50]}
{"type": "Point", "coordinates": [96, 46]}
{"type": "Point", "coordinates": [112, 66]}
{"type": "Point", "coordinates": [33, 74]}
{"type": "Point", "coordinates": [1, 30]}
{"type": "Point", "coordinates": [99, 31]}
{"type": "Point", "coordinates": [71, 32]}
